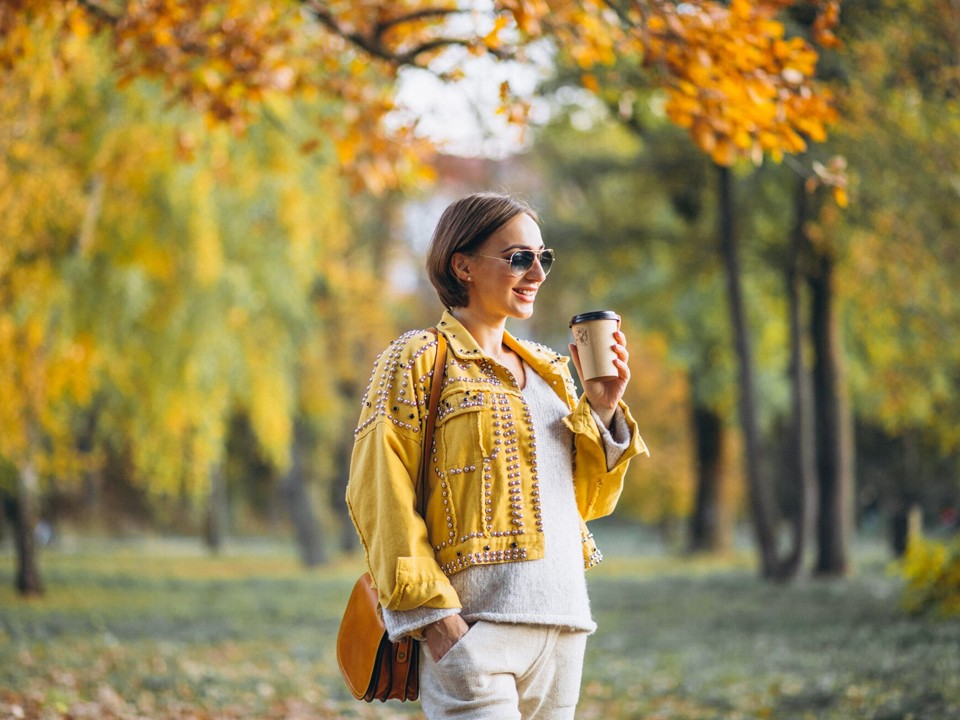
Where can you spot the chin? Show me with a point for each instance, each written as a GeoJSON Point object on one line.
{"type": "Point", "coordinates": [522, 313]}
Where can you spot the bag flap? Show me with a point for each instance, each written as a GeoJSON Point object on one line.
{"type": "Point", "coordinates": [358, 640]}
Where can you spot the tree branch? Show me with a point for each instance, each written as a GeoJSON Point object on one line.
{"type": "Point", "coordinates": [373, 45]}
{"type": "Point", "coordinates": [622, 13]}
{"type": "Point", "coordinates": [411, 56]}
{"type": "Point", "coordinates": [326, 18]}
{"type": "Point", "coordinates": [98, 12]}
{"type": "Point", "coordinates": [425, 14]}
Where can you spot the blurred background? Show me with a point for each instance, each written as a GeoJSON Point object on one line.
{"type": "Point", "coordinates": [214, 216]}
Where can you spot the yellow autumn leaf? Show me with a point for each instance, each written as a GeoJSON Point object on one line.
{"type": "Point", "coordinates": [492, 38]}
{"type": "Point", "coordinates": [723, 152]}
{"type": "Point", "coordinates": [840, 196]}
{"type": "Point", "coordinates": [656, 23]}
{"type": "Point", "coordinates": [742, 139]}
{"type": "Point", "coordinates": [78, 24]}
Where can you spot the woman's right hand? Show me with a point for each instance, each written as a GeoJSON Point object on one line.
{"type": "Point", "coordinates": [444, 634]}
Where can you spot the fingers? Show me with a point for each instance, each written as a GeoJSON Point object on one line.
{"type": "Point", "coordinates": [620, 345]}
{"type": "Point", "coordinates": [623, 357]}
{"type": "Point", "coordinates": [622, 366]}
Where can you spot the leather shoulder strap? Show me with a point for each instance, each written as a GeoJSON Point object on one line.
{"type": "Point", "coordinates": [435, 386]}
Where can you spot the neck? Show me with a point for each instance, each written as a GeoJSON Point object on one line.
{"type": "Point", "coordinates": [488, 332]}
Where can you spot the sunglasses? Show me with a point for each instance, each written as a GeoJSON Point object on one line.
{"type": "Point", "coordinates": [522, 260]}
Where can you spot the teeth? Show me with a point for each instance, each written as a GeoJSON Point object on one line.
{"type": "Point", "coordinates": [525, 292]}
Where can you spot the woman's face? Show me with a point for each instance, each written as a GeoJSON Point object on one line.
{"type": "Point", "coordinates": [493, 289]}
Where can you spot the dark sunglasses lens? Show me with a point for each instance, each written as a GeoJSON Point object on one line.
{"type": "Point", "coordinates": [546, 260]}
{"type": "Point", "coordinates": [521, 261]}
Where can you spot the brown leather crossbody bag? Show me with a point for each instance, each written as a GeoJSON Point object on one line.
{"type": "Point", "coordinates": [373, 667]}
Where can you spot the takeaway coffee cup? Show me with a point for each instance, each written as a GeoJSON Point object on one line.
{"type": "Point", "coordinates": [593, 334]}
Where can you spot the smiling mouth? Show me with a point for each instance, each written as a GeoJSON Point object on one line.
{"type": "Point", "coordinates": [525, 293]}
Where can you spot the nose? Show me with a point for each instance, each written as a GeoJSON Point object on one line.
{"type": "Point", "coordinates": [536, 271]}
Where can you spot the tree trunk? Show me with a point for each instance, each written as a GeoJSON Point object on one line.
{"type": "Point", "coordinates": [216, 521]}
{"type": "Point", "coordinates": [349, 541]}
{"type": "Point", "coordinates": [342, 452]}
{"type": "Point", "coordinates": [91, 498]}
{"type": "Point", "coordinates": [8, 510]}
{"type": "Point", "coordinates": [761, 496]}
{"type": "Point", "coordinates": [803, 443]}
{"type": "Point", "coordinates": [709, 525]}
{"type": "Point", "coordinates": [907, 499]}
{"type": "Point", "coordinates": [293, 489]}
{"type": "Point", "coordinates": [833, 432]}
{"type": "Point", "coordinates": [28, 580]}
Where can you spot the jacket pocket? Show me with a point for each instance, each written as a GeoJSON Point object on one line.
{"type": "Point", "coordinates": [456, 505]}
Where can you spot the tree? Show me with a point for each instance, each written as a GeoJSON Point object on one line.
{"type": "Point", "coordinates": [235, 320]}
{"type": "Point", "coordinates": [812, 113]}
{"type": "Point", "coordinates": [45, 364]}
{"type": "Point", "coordinates": [133, 294]}
{"type": "Point", "coordinates": [743, 90]}
{"type": "Point", "coordinates": [890, 256]}
{"type": "Point", "coordinates": [224, 59]}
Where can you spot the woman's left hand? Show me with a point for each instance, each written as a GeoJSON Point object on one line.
{"type": "Point", "coordinates": [604, 394]}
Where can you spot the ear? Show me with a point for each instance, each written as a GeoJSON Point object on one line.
{"type": "Point", "coordinates": [460, 263]}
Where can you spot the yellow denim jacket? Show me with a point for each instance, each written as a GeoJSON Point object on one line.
{"type": "Point", "coordinates": [483, 502]}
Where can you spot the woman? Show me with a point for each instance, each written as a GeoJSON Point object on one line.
{"type": "Point", "coordinates": [492, 578]}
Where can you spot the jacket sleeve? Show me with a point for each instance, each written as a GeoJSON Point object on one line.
{"type": "Point", "coordinates": [381, 491]}
{"type": "Point", "coordinates": [598, 487]}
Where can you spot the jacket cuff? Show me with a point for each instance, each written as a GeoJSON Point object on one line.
{"type": "Point", "coordinates": [582, 421]}
{"type": "Point", "coordinates": [401, 623]}
{"type": "Point", "coordinates": [420, 582]}
{"type": "Point", "coordinates": [616, 438]}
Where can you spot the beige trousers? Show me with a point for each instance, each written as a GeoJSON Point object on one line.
{"type": "Point", "coordinates": [500, 671]}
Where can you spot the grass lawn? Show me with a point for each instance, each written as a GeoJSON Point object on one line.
{"type": "Point", "coordinates": [160, 630]}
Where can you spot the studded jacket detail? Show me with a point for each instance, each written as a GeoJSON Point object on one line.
{"type": "Point", "coordinates": [483, 502]}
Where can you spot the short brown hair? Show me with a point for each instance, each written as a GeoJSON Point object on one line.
{"type": "Point", "coordinates": [463, 227]}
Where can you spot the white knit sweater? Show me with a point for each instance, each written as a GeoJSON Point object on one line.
{"type": "Point", "coordinates": [553, 589]}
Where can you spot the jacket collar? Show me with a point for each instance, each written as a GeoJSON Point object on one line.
{"type": "Point", "coordinates": [459, 340]}
{"type": "Point", "coordinates": [548, 364]}
{"type": "Point", "coordinates": [545, 362]}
